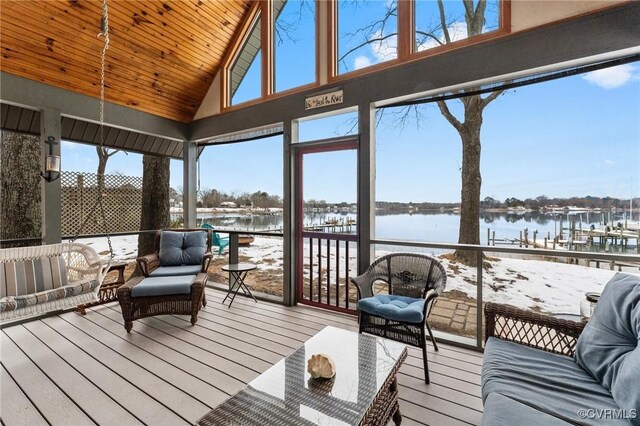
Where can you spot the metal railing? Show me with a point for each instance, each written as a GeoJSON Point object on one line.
{"type": "Point", "coordinates": [234, 257]}
{"type": "Point", "coordinates": [321, 281]}
{"type": "Point", "coordinates": [481, 250]}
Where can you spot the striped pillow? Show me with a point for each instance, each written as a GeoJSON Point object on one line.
{"type": "Point", "coordinates": [32, 276]}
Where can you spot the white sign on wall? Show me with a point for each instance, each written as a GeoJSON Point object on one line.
{"type": "Point", "coordinates": [323, 100]}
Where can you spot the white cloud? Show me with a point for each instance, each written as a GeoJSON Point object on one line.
{"type": "Point", "coordinates": [457, 31]}
{"type": "Point", "coordinates": [610, 78]}
{"type": "Point", "coordinates": [361, 62]}
{"type": "Point", "coordinates": [609, 162]}
{"type": "Point", "coordinates": [385, 49]}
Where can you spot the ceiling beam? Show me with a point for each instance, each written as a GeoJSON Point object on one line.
{"type": "Point", "coordinates": [35, 95]}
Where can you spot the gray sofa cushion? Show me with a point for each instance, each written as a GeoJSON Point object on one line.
{"type": "Point", "coordinates": [182, 248]}
{"type": "Point", "coordinates": [609, 346]}
{"type": "Point", "coordinates": [500, 410]}
{"type": "Point", "coordinates": [547, 382]}
{"type": "Point", "coordinates": [172, 271]}
{"type": "Point", "coordinates": [163, 286]}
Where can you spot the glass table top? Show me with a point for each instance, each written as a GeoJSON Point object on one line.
{"type": "Point", "coordinates": [286, 393]}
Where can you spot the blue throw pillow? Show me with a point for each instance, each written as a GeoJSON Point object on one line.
{"type": "Point", "coordinates": [609, 346]}
{"type": "Point", "coordinates": [170, 252]}
{"type": "Point", "coordinates": [195, 245]}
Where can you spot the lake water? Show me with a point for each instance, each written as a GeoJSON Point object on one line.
{"type": "Point", "coordinates": [439, 227]}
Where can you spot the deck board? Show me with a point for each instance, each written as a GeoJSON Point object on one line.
{"type": "Point", "coordinates": [169, 372]}
{"type": "Point", "coordinates": [15, 407]}
{"type": "Point", "coordinates": [56, 407]}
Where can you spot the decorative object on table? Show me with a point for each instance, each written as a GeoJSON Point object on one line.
{"type": "Point", "coordinates": [414, 282]}
{"type": "Point", "coordinates": [365, 393]}
{"type": "Point", "coordinates": [588, 304]}
{"type": "Point", "coordinates": [321, 366]}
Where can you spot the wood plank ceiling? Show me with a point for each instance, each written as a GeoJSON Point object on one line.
{"type": "Point", "coordinates": [162, 58]}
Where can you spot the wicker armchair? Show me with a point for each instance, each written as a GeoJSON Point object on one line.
{"type": "Point", "coordinates": [151, 262]}
{"type": "Point", "coordinates": [411, 275]}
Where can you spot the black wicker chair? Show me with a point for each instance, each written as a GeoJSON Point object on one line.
{"type": "Point", "coordinates": [406, 274]}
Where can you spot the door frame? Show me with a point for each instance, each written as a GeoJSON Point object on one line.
{"type": "Point", "coordinates": [346, 143]}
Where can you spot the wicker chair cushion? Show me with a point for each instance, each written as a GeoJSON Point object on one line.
{"type": "Point", "coordinates": [545, 381]}
{"type": "Point", "coordinates": [162, 286]}
{"type": "Point", "coordinates": [500, 410]}
{"type": "Point", "coordinates": [182, 248]}
{"type": "Point", "coordinates": [396, 308]}
{"type": "Point", "coordinates": [174, 271]}
{"type": "Point", "coordinates": [609, 346]}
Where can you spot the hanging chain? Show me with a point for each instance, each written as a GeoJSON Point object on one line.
{"type": "Point", "coordinates": [104, 27]}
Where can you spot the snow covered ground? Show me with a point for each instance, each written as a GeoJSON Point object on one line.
{"type": "Point", "coordinates": [539, 284]}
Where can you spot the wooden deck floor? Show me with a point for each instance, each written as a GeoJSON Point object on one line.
{"type": "Point", "coordinates": [75, 370]}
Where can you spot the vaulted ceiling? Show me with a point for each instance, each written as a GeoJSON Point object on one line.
{"type": "Point", "coordinates": [162, 58]}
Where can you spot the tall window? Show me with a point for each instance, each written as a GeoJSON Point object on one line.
{"type": "Point", "coordinates": [245, 76]}
{"type": "Point", "coordinates": [294, 43]}
{"type": "Point", "coordinates": [440, 23]}
{"type": "Point", "coordinates": [367, 33]}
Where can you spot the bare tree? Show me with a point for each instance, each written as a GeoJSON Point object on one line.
{"type": "Point", "coordinates": [20, 165]}
{"type": "Point", "coordinates": [468, 126]}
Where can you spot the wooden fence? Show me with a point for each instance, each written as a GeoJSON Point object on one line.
{"type": "Point", "coordinates": [122, 200]}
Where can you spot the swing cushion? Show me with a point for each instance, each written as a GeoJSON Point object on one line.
{"type": "Point", "coordinates": [35, 281]}
{"type": "Point", "coordinates": [182, 248]}
{"type": "Point", "coordinates": [24, 277]}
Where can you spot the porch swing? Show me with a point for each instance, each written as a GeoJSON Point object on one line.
{"type": "Point", "coordinates": [42, 279]}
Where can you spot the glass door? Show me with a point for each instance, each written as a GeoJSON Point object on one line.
{"type": "Point", "coordinates": [326, 221]}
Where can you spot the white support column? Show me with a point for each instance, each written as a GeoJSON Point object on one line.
{"type": "Point", "coordinates": [190, 183]}
{"type": "Point", "coordinates": [51, 126]}
{"type": "Point", "coordinates": [366, 184]}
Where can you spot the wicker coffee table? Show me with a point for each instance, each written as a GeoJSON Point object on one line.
{"type": "Point", "coordinates": [364, 390]}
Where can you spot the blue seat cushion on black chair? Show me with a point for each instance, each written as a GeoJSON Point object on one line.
{"type": "Point", "coordinates": [173, 271]}
{"type": "Point", "coordinates": [395, 308]}
{"type": "Point", "coordinates": [552, 383]}
{"type": "Point", "coordinates": [163, 286]}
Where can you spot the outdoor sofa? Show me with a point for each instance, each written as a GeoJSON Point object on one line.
{"type": "Point", "coordinates": [539, 369]}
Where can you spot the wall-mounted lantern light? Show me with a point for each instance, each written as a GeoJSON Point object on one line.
{"type": "Point", "coordinates": [51, 162]}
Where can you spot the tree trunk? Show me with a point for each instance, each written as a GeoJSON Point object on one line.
{"type": "Point", "coordinates": [103, 157]}
{"type": "Point", "coordinates": [20, 196]}
{"type": "Point", "coordinates": [469, 232]}
{"type": "Point", "coordinates": [155, 200]}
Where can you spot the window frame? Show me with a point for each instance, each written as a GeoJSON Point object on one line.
{"type": "Point", "coordinates": [406, 39]}
{"type": "Point", "coordinates": [326, 37]}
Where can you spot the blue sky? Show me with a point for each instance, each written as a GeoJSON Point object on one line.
{"type": "Point", "coordinates": [576, 136]}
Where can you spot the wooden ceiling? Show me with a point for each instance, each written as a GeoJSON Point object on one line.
{"type": "Point", "coordinates": [162, 58]}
